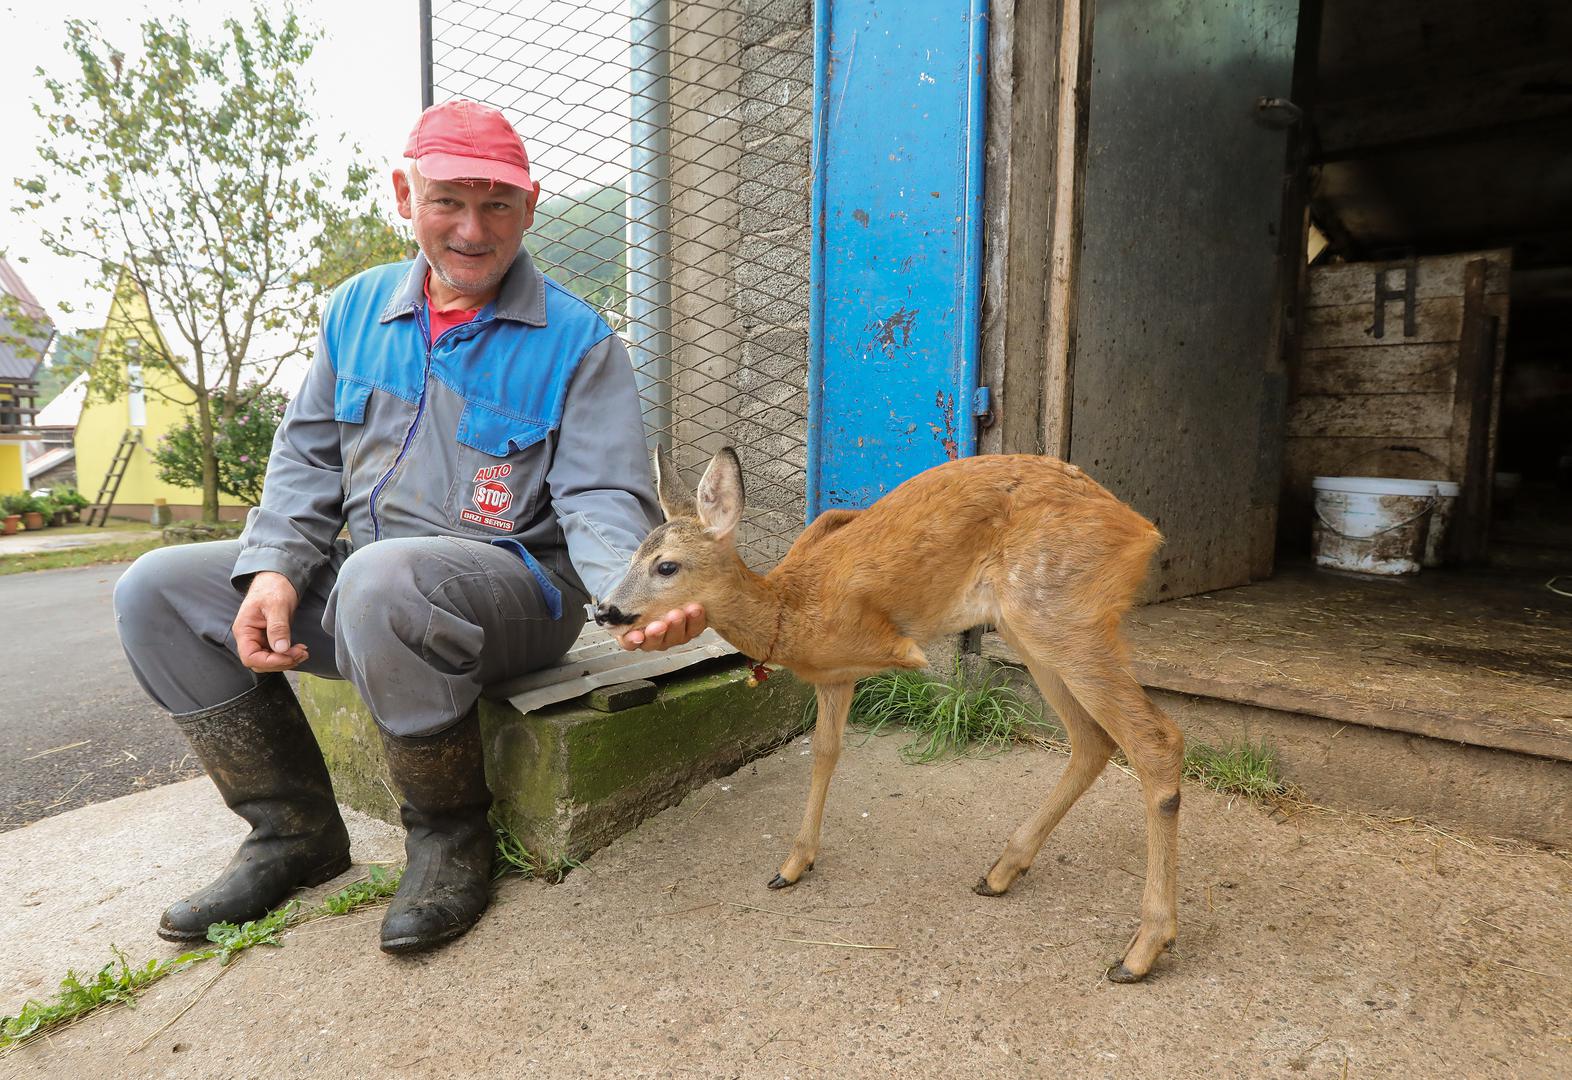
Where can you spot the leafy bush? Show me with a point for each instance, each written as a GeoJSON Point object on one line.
{"type": "Point", "coordinates": [65, 495]}
{"type": "Point", "coordinates": [241, 444]}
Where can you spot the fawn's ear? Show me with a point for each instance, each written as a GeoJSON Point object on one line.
{"type": "Point", "coordinates": [720, 494]}
{"type": "Point", "coordinates": [675, 501]}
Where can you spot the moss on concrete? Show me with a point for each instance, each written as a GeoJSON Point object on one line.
{"type": "Point", "coordinates": [569, 779]}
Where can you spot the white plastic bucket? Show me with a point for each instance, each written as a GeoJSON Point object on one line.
{"type": "Point", "coordinates": [1371, 524]}
{"type": "Point", "coordinates": [1440, 519]}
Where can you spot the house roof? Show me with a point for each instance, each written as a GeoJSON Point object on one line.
{"type": "Point", "coordinates": [18, 360]}
{"type": "Point", "coordinates": [65, 409]}
{"type": "Point", "coordinates": [46, 461]}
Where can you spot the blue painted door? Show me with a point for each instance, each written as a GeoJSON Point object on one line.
{"type": "Point", "coordinates": [897, 245]}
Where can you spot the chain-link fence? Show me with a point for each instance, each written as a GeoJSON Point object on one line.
{"type": "Point", "coordinates": [671, 139]}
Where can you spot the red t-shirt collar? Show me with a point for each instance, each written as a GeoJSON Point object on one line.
{"type": "Point", "coordinates": [444, 320]}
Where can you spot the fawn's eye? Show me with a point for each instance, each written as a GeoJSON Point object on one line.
{"type": "Point", "coordinates": [666, 569]}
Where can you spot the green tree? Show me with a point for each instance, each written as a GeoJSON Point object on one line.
{"type": "Point", "coordinates": [241, 445]}
{"type": "Point", "coordinates": [193, 170]}
{"type": "Point", "coordinates": [577, 239]}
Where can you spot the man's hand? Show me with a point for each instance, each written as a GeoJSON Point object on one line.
{"type": "Point", "coordinates": [674, 628]}
{"type": "Point", "coordinates": [262, 627]}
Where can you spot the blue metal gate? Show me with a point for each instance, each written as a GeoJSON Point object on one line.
{"type": "Point", "coordinates": [897, 243]}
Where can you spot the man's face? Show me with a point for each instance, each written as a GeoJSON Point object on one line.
{"type": "Point", "coordinates": [469, 231]}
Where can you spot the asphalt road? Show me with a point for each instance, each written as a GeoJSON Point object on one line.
{"type": "Point", "coordinates": [75, 728]}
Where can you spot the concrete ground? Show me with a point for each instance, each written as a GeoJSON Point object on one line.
{"type": "Point", "coordinates": [1311, 944]}
{"type": "Point", "coordinates": [27, 543]}
{"type": "Point", "coordinates": [75, 728]}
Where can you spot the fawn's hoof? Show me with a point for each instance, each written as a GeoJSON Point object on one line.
{"type": "Point", "coordinates": [1121, 974]}
{"type": "Point", "coordinates": [982, 888]}
{"type": "Point", "coordinates": [780, 882]}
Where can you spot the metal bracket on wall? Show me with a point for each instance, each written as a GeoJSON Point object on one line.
{"type": "Point", "coordinates": [982, 407]}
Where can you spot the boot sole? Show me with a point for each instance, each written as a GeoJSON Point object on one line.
{"type": "Point", "coordinates": [326, 872]}
{"type": "Point", "coordinates": [414, 944]}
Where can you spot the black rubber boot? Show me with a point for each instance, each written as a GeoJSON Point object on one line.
{"type": "Point", "coordinates": [263, 757]}
{"type": "Point", "coordinates": [447, 879]}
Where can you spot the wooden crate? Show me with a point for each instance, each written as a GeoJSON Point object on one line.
{"type": "Point", "coordinates": [1420, 400]}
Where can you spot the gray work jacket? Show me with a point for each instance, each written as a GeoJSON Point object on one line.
{"type": "Point", "coordinates": [520, 427]}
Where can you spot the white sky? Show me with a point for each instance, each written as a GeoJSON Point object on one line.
{"type": "Point", "coordinates": [366, 70]}
{"type": "Point", "coordinates": [559, 69]}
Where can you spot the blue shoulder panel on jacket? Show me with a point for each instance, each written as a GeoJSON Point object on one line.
{"type": "Point", "coordinates": [513, 377]}
{"type": "Point", "coordinates": [516, 384]}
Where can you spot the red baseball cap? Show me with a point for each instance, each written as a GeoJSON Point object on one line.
{"type": "Point", "coordinates": [465, 140]}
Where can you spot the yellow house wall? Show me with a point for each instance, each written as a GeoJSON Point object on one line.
{"type": "Point", "coordinates": [11, 475]}
{"type": "Point", "coordinates": [102, 424]}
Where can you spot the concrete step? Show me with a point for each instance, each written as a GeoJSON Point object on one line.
{"type": "Point", "coordinates": [570, 778]}
{"type": "Point", "coordinates": [1450, 768]}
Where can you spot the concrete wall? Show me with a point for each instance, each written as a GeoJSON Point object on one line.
{"type": "Point", "coordinates": [742, 109]}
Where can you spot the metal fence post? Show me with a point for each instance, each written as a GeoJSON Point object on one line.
{"type": "Point", "coordinates": [649, 213]}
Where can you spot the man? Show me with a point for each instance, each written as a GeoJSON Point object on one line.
{"type": "Point", "coordinates": [477, 428]}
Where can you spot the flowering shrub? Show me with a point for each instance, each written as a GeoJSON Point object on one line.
{"type": "Point", "coordinates": [240, 444]}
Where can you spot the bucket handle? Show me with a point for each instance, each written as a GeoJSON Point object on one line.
{"type": "Point", "coordinates": [1445, 468]}
{"type": "Point", "coordinates": [1430, 504]}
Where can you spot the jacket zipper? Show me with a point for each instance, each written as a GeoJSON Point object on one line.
{"type": "Point", "coordinates": [420, 409]}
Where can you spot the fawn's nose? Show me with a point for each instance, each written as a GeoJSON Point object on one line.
{"type": "Point", "coordinates": [612, 615]}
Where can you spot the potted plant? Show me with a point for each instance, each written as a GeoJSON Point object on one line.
{"type": "Point", "coordinates": [71, 499]}
{"type": "Point", "coordinates": [33, 511]}
{"type": "Point", "coordinates": [11, 508]}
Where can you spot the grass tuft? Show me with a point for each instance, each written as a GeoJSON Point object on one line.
{"type": "Point", "coordinates": [514, 858]}
{"type": "Point", "coordinates": [379, 885]}
{"type": "Point", "coordinates": [119, 982]}
{"type": "Point", "coordinates": [1248, 769]}
{"type": "Point", "coordinates": [970, 713]}
{"type": "Point", "coordinates": [981, 713]}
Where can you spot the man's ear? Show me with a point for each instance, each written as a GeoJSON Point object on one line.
{"type": "Point", "coordinates": [530, 199]}
{"type": "Point", "coordinates": [675, 499]}
{"type": "Point", "coordinates": [403, 193]}
{"type": "Point", "coordinates": [720, 495]}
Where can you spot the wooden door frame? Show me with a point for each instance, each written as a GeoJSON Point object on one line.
{"type": "Point", "coordinates": [1037, 105]}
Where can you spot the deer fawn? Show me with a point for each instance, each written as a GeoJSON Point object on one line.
{"type": "Point", "coordinates": [1030, 544]}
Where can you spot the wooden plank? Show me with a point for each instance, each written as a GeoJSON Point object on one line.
{"type": "Point", "coordinates": [1437, 276]}
{"type": "Point", "coordinates": [1396, 417]}
{"type": "Point", "coordinates": [1424, 459]}
{"type": "Point", "coordinates": [1370, 48]}
{"type": "Point", "coordinates": [1483, 100]}
{"type": "Point", "coordinates": [622, 696]}
{"type": "Point", "coordinates": [1021, 112]}
{"type": "Point", "coordinates": [1384, 369]}
{"type": "Point", "coordinates": [1472, 398]}
{"type": "Point", "coordinates": [1072, 103]}
{"type": "Point", "coordinates": [1439, 319]}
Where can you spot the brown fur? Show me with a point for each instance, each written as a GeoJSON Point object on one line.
{"type": "Point", "coordinates": [1030, 544]}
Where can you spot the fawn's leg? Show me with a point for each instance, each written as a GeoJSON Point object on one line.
{"type": "Point", "coordinates": [1155, 749]}
{"type": "Point", "coordinates": [1090, 748]}
{"type": "Point", "coordinates": [834, 701]}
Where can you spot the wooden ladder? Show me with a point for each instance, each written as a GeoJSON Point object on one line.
{"type": "Point", "coordinates": [116, 473]}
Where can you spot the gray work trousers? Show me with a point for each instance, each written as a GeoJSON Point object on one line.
{"type": "Point", "coordinates": [418, 625]}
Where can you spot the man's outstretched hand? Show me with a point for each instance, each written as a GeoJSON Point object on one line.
{"type": "Point", "coordinates": [262, 626]}
{"type": "Point", "coordinates": [674, 628]}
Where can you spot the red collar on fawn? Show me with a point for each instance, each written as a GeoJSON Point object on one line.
{"type": "Point", "coordinates": [760, 672]}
